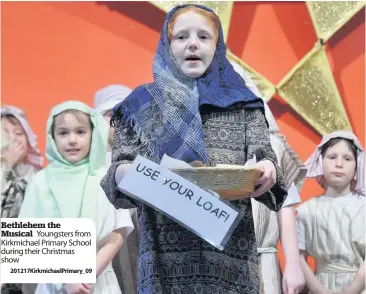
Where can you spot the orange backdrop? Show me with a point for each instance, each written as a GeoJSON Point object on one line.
{"type": "Point", "coordinates": [55, 51]}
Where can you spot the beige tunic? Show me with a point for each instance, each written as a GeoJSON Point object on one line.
{"type": "Point", "coordinates": [332, 231]}
{"type": "Point", "coordinates": [266, 233]}
{"type": "Point", "coordinates": [266, 224]}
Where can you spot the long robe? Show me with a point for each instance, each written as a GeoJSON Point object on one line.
{"type": "Point", "coordinates": [171, 258]}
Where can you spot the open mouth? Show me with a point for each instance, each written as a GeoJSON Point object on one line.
{"type": "Point", "coordinates": [72, 150]}
{"type": "Point", "coordinates": [193, 58]}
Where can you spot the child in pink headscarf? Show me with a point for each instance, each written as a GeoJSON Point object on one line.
{"type": "Point", "coordinates": [331, 227]}
{"type": "Point", "coordinates": [20, 161]}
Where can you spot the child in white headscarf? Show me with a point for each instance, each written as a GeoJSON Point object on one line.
{"type": "Point", "coordinates": [126, 260]}
{"type": "Point", "coordinates": [269, 226]}
{"type": "Point", "coordinates": [104, 101]}
{"type": "Point", "coordinates": [331, 227]}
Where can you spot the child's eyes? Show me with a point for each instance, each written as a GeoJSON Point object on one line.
{"type": "Point", "coordinates": [180, 37]}
{"type": "Point", "coordinates": [184, 37]}
{"type": "Point", "coordinates": [64, 133]}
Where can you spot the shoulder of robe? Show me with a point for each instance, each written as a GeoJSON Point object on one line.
{"type": "Point", "coordinates": [39, 178]}
{"type": "Point", "coordinates": [308, 205]}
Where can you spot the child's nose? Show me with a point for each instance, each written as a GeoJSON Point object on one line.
{"type": "Point", "coordinates": [72, 139]}
{"type": "Point", "coordinates": [339, 162]}
{"type": "Point", "coordinates": [12, 137]}
{"type": "Point", "coordinates": [193, 43]}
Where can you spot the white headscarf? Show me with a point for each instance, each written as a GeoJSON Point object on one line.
{"type": "Point", "coordinates": [106, 98]}
{"type": "Point", "coordinates": [34, 156]}
{"type": "Point", "coordinates": [315, 162]}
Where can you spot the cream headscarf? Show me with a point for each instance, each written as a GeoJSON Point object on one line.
{"type": "Point", "coordinates": [34, 156]}
{"type": "Point", "coordinates": [106, 98]}
{"type": "Point", "coordinates": [293, 169]}
{"type": "Point", "coordinates": [315, 162]}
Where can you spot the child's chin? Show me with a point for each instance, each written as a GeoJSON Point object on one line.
{"type": "Point", "coordinates": [339, 183]}
{"type": "Point", "coordinates": [73, 159]}
{"type": "Point", "coordinates": [194, 74]}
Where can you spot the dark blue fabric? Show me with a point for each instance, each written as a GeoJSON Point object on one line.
{"type": "Point", "coordinates": [219, 87]}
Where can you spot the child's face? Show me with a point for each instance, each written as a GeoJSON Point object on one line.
{"type": "Point", "coordinates": [339, 165]}
{"type": "Point", "coordinates": [193, 45]}
{"type": "Point", "coordinates": [16, 133]}
{"type": "Point", "coordinates": [107, 116]}
{"type": "Point", "coordinates": [72, 135]}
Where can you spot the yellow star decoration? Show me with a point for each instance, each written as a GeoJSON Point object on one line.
{"type": "Point", "coordinates": [309, 88]}
{"type": "Point", "coordinates": [329, 17]}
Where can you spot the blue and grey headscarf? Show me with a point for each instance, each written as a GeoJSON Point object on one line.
{"type": "Point", "coordinates": [166, 113]}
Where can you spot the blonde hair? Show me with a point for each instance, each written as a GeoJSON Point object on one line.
{"type": "Point", "coordinates": [211, 18]}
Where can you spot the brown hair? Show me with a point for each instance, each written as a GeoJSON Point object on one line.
{"type": "Point", "coordinates": [77, 113]}
{"type": "Point", "coordinates": [12, 119]}
{"type": "Point", "coordinates": [211, 18]}
{"type": "Point", "coordinates": [334, 141]}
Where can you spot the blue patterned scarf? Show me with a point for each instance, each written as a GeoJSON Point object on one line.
{"type": "Point", "coordinates": [166, 113]}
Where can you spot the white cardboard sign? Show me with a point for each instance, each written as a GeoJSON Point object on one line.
{"type": "Point", "coordinates": [207, 216]}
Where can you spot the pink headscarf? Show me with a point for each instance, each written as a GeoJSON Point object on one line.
{"type": "Point", "coordinates": [34, 156]}
{"type": "Point", "coordinates": [315, 162]}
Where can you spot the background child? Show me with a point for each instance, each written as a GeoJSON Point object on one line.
{"type": "Point", "coordinates": [69, 187]}
{"type": "Point", "coordinates": [126, 260]}
{"type": "Point", "coordinates": [105, 100]}
{"type": "Point", "coordinates": [21, 159]}
{"type": "Point", "coordinates": [331, 228]}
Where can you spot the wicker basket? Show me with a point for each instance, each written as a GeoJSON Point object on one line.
{"type": "Point", "coordinates": [230, 182]}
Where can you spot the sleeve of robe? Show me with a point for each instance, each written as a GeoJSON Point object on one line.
{"type": "Point", "coordinates": [258, 144]}
{"type": "Point", "coordinates": [12, 194]}
{"type": "Point", "coordinates": [124, 149]}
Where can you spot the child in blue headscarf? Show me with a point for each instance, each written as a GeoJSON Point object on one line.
{"type": "Point", "coordinates": [197, 109]}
